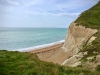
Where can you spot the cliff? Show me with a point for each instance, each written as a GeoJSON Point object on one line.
{"type": "Point", "coordinates": [83, 39]}
{"type": "Point", "coordinates": [77, 37]}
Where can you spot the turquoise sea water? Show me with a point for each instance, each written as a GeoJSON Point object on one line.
{"type": "Point", "coordinates": [28, 38]}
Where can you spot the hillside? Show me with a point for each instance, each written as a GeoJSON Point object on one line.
{"type": "Point", "coordinates": [91, 19]}
{"type": "Point", "coordinates": [16, 63]}
{"type": "Point", "coordinates": [83, 39]}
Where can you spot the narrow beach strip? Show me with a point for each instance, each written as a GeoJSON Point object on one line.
{"type": "Point", "coordinates": [46, 49]}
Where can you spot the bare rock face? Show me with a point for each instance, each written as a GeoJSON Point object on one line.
{"type": "Point", "coordinates": [74, 60]}
{"type": "Point", "coordinates": [76, 37]}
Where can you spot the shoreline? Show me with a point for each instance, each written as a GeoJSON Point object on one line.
{"type": "Point", "coordinates": [46, 49]}
{"type": "Point", "coordinates": [39, 47]}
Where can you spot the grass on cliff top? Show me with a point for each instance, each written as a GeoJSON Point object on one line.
{"type": "Point", "coordinates": [91, 19]}
{"type": "Point", "coordinates": [16, 63]}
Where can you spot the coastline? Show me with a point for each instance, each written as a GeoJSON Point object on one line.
{"type": "Point", "coordinates": [48, 48]}
{"type": "Point", "coordinates": [44, 46]}
{"type": "Point", "coordinates": [24, 39]}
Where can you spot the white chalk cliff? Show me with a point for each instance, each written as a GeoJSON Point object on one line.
{"type": "Point", "coordinates": [77, 36]}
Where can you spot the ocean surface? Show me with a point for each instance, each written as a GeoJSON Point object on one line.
{"type": "Point", "coordinates": [24, 39]}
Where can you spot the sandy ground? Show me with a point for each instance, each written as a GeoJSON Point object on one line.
{"type": "Point", "coordinates": [54, 54]}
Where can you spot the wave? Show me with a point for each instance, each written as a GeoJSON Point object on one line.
{"type": "Point", "coordinates": [39, 46]}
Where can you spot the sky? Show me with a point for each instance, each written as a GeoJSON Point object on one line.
{"type": "Point", "coordinates": [41, 13]}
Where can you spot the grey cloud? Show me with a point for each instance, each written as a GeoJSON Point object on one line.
{"type": "Point", "coordinates": [13, 2]}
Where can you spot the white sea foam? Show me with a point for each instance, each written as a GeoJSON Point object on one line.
{"type": "Point", "coordinates": [39, 46]}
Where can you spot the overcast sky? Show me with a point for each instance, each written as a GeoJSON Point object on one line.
{"type": "Point", "coordinates": [41, 13]}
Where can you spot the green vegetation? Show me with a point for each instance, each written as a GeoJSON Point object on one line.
{"type": "Point", "coordinates": [98, 68]}
{"type": "Point", "coordinates": [91, 19]}
{"type": "Point", "coordinates": [16, 63]}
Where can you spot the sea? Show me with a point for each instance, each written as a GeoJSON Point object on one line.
{"type": "Point", "coordinates": [25, 39]}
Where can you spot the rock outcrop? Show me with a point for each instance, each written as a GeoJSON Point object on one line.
{"type": "Point", "coordinates": [83, 39]}
{"type": "Point", "coordinates": [76, 38]}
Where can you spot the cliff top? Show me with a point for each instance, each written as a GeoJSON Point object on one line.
{"type": "Point", "coordinates": [91, 19]}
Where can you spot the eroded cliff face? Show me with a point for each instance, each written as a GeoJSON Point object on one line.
{"type": "Point", "coordinates": [79, 41]}
{"type": "Point", "coordinates": [77, 36]}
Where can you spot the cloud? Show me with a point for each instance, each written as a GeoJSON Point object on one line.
{"type": "Point", "coordinates": [69, 14]}
{"type": "Point", "coordinates": [9, 9]}
{"type": "Point", "coordinates": [29, 3]}
{"type": "Point", "coordinates": [58, 6]}
{"type": "Point", "coordinates": [13, 2]}
{"type": "Point", "coordinates": [0, 5]}
{"type": "Point", "coordinates": [42, 12]}
{"type": "Point", "coordinates": [6, 9]}
{"type": "Point", "coordinates": [66, 14]}
{"type": "Point", "coordinates": [68, 5]}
